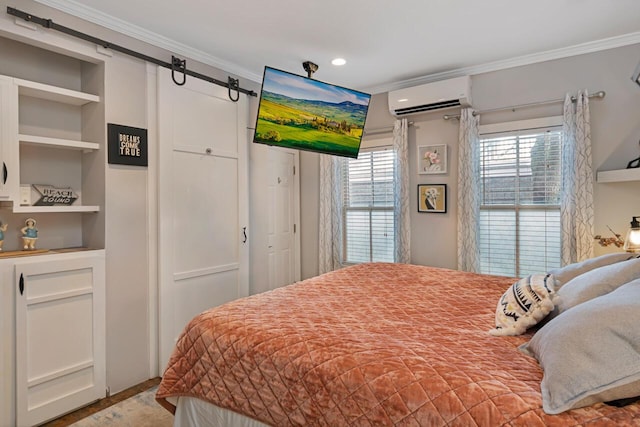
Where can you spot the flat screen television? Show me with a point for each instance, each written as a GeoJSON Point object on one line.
{"type": "Point", "coordinates": [307, 114]}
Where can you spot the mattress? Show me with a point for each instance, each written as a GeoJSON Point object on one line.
{"type": "Point", "coordinates": [372, 344]}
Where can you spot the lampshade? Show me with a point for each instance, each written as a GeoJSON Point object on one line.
{"type": "Point", "coordinates": [632, 241]}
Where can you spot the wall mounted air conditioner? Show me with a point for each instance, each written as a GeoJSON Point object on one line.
{"type": "Point", "coordinates": [431, 96]}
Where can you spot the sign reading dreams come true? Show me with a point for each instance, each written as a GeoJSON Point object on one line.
{"type": "Point", "coordinates": [127, 145]}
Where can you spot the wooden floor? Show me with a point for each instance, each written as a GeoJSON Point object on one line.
{"type": "Point", "coordinates": [73, 417]}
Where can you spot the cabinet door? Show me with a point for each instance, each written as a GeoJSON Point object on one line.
{"type": "Point", "coordinates": [60, 335]}
{"type": "Point", "coordinates": [8, 136]}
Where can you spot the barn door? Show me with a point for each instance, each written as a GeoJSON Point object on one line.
{"type": "Point", "coordinates": [203, 202]}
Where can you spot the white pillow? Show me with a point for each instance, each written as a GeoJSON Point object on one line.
{"type": "Point", "coordinates": [524, 304]}
{"type": "Point", "coordinates": [568, 272]}
{"type": "Point", "coordinates": [595, 283]}
{"type": "Point", "coordinates": [590, 353]}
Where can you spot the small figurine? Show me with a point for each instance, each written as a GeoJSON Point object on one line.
{"type": "Point", "coordinates": [3, 228]}
{"type": "Point", "coordinates": [29, 234]}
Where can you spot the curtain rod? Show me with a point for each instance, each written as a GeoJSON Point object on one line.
{"type": "Point", "coordinates": [387, 129]}
{"type": "Point", "coordinates": [176, 64]}
{"type": "Point", "coordinates": [600, 94]}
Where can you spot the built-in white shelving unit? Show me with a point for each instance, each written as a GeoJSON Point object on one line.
{"type": "Point", "coordinates": [52, 303]}
{"type": "Point", "coordinates": [60, 95]}
{"type": "Point", "coordinates": [620, 175]}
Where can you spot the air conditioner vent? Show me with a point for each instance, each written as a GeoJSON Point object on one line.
{"type": "Point", "coordinates": [431, 96]}
{"type": "Point", "coordinates": [428, 107]}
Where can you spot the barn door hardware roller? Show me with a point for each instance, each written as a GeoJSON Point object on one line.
{"type": "Point", "coordinates": [181, 66]}
{"type": "Point", "coordinates": [176, 65]}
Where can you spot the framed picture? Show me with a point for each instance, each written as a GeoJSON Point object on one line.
{"type": "Point", "coordinates": [432, 159]}
{"type": "Point", "coordinates": [432, 198]}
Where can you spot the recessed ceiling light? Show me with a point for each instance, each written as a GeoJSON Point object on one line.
{"type": "Point", "coordinates": [339, 61]}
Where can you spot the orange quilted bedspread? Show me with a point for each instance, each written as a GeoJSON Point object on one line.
{"type": "Point", "coordinates": [369, 345]}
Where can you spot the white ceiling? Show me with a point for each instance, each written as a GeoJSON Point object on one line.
{"type": "Point", "coordinates": [387, 44]}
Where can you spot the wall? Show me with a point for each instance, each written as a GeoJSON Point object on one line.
{"type": "Point", "coordinates": [615, 131]}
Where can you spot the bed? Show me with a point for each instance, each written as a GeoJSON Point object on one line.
{"type": "Point", "coordinates": [368, 345]}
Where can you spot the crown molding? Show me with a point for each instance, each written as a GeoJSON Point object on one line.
{"type": "Point", "coordinates": [590, 47]}
{"type": "Point", "coordinates": [91, 15]}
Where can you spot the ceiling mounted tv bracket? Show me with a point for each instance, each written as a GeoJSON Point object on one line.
{"type": "Point", "coordinates": [310, 68]}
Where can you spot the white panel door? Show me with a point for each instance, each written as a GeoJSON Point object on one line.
{"type": "Point", "coordinates": [60, 334]}
{"type": "Point", "coordinates": [281, 219]}
{"type": "Point", "coordinates": [203, 202]}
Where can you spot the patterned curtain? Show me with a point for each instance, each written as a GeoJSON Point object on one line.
{"type": "Point", "coordinates": [468, 191]}
{"type": "Point", "coordinates": [330, 227]}
{"type": "Point", "coordinates": [576, 206]}
{"type": "Point", "coordinates": [401, 193]}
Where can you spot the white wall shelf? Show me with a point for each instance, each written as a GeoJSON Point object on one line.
{"type": "Point", "coordinates": [56, 209]}
{"type": "Point", "coordinates": [53, 93]}
{"type": "Point", "coordinates": [620, 175]}
{"type": "Point", "coordinates": [59, 143]}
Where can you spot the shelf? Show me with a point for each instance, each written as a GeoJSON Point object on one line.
{"type": "Point", "coordinates": [53, 93]}
{"type": "Point", "coordinates": [55, 209]}
{"type": "Point", "coordinates": [620, 175]}
{"type": "Point", "coordinates": [59, 143]}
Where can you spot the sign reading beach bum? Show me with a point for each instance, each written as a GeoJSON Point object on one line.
{"type": "Point", "coordinates": [127, 145]}
{"type": "Point", "coordinates": [52, 196]}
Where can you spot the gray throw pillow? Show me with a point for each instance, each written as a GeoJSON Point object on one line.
{"type": "Point", "coordinates": [590, 353]}
{"type": "Point", "coordinates": [595, 283]}
{"type": "Point", "coordinates": [568, 272]}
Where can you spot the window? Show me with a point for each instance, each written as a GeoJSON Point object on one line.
{"type": "Point", "coordinates": [368, 207]}
{"type": "Point", "coordinates": [520, 183]}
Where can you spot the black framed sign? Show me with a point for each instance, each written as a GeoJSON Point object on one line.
{"type": "Point", "coordinates": [127, 145]}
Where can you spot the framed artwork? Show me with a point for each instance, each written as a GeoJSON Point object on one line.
{"type": "Point", "coordinates": [432, 198]}
{"type": "Point", "coordinates": [432, 159]}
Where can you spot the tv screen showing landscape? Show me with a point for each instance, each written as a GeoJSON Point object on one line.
{"type": "Point", "coordinates": [306, 114]}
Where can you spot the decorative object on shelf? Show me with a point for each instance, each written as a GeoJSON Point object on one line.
{"type": "Point", "coordinates": [432, 198]}
{"type": "Point", "coordinates": [606, 241]}
{"type": "Point", "coordinates": [3, 228]}
{"type": "Point", "coordinates": [29, 234]}
{"type": "Point", "coordinates": [432, 159]}
{"type": "Point", "coordinates": [46, 195]}
{"type": "Point", "coordinates": [127, 145]}
{"type": "Point", "coordinates": [632, 241]}
{"type": "Point", "coordinates": [635, 163]}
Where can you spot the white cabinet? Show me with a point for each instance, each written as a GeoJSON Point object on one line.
{"type": "Point", "coordinates": [57, 350]}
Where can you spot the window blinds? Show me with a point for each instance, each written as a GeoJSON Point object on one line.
{"type": "Point", "coordinates": [368, 207]}
{"type": "Point", "coordinates": [520, 202]}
